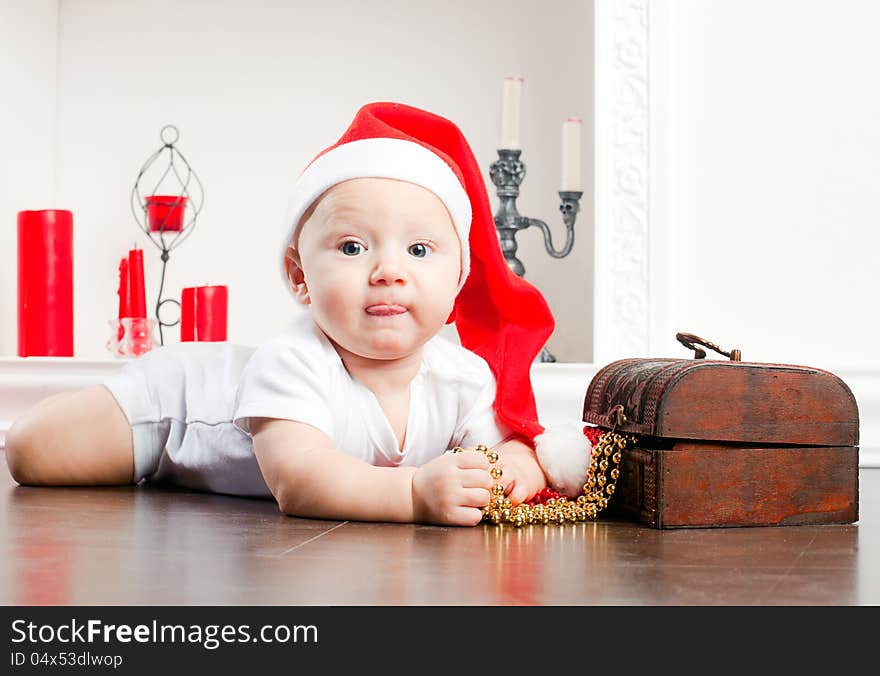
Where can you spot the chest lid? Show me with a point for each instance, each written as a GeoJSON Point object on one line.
{"type": "Point", "coordinates": [718, 400]}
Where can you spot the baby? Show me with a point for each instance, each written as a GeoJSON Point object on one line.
{"type": "Point", "coordinates": [350, 412]}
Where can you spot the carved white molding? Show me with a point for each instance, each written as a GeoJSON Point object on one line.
{"type": "Point", "coordinates": [621, 321]}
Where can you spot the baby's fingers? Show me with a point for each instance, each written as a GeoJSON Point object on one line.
{"type": "Point", "coordinates": [472, 460]}
{"type": "Point", "coordinates": [465, 516]}
{"type": "Point", "coordinates": [475, 497]}
{"type": "Point", "coordinates": [476, 478]}
{"type": "Point", "coordinates": [518, 492]}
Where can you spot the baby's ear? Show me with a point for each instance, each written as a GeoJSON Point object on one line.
{"type": "Point", "coordinates": [295, 276]}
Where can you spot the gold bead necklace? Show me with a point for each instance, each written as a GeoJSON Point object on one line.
{"type": "Point", "coordinates": [600, 482]}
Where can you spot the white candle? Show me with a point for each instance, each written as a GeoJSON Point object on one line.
{"type": "Point", "coordinates": [510, 112]}
{"type": "Point", "coordinates": [571, 154]}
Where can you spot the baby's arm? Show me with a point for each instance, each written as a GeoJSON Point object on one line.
{"type": "Point", "coordinates": [309, 477]}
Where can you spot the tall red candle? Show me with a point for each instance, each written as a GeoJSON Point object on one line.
{"type": "Point", "coordinates": [137, 295]}
{"type": "Point", "coordinates": [122, 292]}
{"type": "Point", "coordinates": [45, 283]}
{"type": "Point", "coordinates": [123, 288]}
{"type": "Point", "coordinates": [203, 313]}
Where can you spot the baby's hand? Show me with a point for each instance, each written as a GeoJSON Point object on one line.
{"type": "Point", "coordinates": [521, 474]}
{"type": "Point", "coordinates": [452, 489]}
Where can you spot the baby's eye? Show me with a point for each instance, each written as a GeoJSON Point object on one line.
{"type": "Point", "coordinates": [418, 250]}
{"type": "Point", "coordinates": [351, 248]}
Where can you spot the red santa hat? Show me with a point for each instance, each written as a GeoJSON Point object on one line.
{"type": "Point", "coordinates": [498, 315]}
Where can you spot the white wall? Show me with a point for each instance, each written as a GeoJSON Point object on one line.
{"type": "Point", "coordinates": [28, 36]}
{"type": "Point", "coordinates": [774, 146]}
{"type": "Point", "coordinates": [256, 89]}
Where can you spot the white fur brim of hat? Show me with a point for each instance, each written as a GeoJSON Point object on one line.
{"type": "Point", "coordinates": [564, 454]}
{"type": "Point", "coordinates": [382, 158]}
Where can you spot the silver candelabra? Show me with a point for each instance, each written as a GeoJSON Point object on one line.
{"type": "Point", "coordinates": [507, 174]}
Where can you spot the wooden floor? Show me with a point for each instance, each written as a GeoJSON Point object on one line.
{"type": "Point", "coordinates": [150, 546]}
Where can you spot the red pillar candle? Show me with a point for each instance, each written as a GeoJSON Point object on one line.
{"type": "Point", "coordinates": [203, 313]}
{"type": "Point", "coordinates": [137, 295]}
{"type": "Point", "coordinates": [45, 283]}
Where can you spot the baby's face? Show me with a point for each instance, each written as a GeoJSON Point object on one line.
{"type": "Point", "coordinates": [379, 263]}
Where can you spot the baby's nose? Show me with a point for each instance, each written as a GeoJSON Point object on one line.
{"type": "Point", "coordinates": [388, 270]}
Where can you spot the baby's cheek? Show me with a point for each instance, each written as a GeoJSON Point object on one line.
{"type": "Point", "coordinates": [333, 286]}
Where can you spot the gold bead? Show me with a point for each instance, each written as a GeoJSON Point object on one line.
{"type": "Point", "coordinates": [609, 489]}
{"type": "Point", "coordinates": [505, 515]}
{"type": "Point", "coordinates": [507, 503]}
{"type": "Point", "coordinates": [603, 465]}
{"type": "Point", "coordinates": [518, 522]}
{"type": "Point", "coordinates": [496, 472]}
{"type": "Point", "coordinates": [457, 449]}
{"type": "Point", "coordinates": [616, 458]}
{"type": "Point", "coordinates": [481, 448]}
{"type": "Point", "coordinates": [498, 489]}
{"type": "Point", "coordinates": [551, 502]}
{"type": "Point", "coordinates": [615, 473]}
{"type": "Point", "coordinates": [493, 456]}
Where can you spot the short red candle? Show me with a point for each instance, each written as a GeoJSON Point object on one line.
{"type": "Point", "coordinates": [45, 283]}
{"type": "Point", "coordinates": [203, 313]}
{"type": "Point", "coordinates": [137, 295]}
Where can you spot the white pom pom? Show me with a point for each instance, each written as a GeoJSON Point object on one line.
{"type": "Point", "coordinates": [564, 454]}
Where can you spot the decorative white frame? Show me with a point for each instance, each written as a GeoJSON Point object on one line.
{"type": "Point", "coordinates": [630, 251]}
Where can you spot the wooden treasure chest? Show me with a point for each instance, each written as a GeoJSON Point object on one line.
{"type": "Point", "coordinates": [728, 443]}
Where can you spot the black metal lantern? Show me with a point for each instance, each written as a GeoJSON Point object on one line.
{"type": "Point", "coordinates": [166, 200]}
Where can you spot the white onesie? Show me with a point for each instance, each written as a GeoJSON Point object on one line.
{"type": "Point", "coordinates": [189, 406]}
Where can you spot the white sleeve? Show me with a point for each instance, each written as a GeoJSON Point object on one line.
{"type": "Point", "coordinates": [280, 381]}
{"type": "Point", "coordinates": [479, 424]}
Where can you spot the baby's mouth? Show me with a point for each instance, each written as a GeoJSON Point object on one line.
{"type": "Point", "coordinates": [385, 309]}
